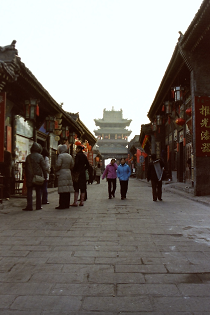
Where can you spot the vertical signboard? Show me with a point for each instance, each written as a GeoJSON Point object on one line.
{"type": "Point", "coordinates": [9, 138]}
{"type": "Point", "coordinates": [90, 157]}
{"type": "Point", "coordinates": [202, 124]}
{"type": "Point", "coordinates": [2, 123]}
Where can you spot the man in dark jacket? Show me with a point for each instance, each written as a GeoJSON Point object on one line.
{"type": "Point", "coordinates": [5, 170]}
{"type": "Point", "coordinates": [35, 165]}
{"type": "Point", "coordinates": [154, 173]}
{"type": "Point", "coordinates": [80, 166]}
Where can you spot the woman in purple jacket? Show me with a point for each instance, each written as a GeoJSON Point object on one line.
{"type": "Point", "coordinates": [111, 175]}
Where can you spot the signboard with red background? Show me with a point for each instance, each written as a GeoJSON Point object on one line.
{"type": "Point", "coordinates": [90, 157]}
{"type": "Point", "coordinates": [2, 123]}
{"type": "Point", "coordinates": [202, 123]}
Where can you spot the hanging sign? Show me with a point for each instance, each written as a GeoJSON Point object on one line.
{"type": "Point", "coordinates": [202, 124]}
{"type": "Point", "coordinates": [2, 123]}
{"type": "Point", "coordinates": [90, 157]}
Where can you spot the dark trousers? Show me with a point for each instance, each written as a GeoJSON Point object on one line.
{"type": "Point", "coordinates": [156, 189]}
{"type": "Point", "coordinates": [98, 179]}
{"type": "Point", "coordinates": [64, 200]}
{"type": "Point", "coordinates": [7, 187]}
{"type": "Point", "coordinates": [111, 186]}
{"type": "Point", "coordinates": [44, 192]}
{"type": "Point", "coordinates": [38, 197]}
{"type": "Point", "coordinates": [123, 188]}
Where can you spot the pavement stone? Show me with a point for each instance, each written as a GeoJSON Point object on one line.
{"type": "Point", "coordinates": [109, 257]}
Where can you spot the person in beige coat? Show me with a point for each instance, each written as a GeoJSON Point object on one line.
{"type": "Point", "coordinates": [64, 165]}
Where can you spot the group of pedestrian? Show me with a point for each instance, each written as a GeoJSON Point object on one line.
{"type": "Point", "coordinates": [37, 164]}
{"type": "Point", "coordinates": [72, 176]}
{"type": "Point", "coordinates": [112, 172]}
{"type": "Point", "coordinates": [123, 172]}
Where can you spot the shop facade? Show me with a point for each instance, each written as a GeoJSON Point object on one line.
{"type": "Point", "coordinates": [180, 113]}
{"type": "Point", "coordinates": [29, 113]}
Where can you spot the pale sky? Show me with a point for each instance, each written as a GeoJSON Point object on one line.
{"type": "Point", "coordinates": [96, 54]}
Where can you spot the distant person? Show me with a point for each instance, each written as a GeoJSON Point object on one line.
{"type": "Point", "coordinates": [6, 168]}
{"type": "Point", "coordinates": [79, 176]}
{"type": "Point", "coordinates": [52, 177]}
{"type": "Point", "coordinates": [98, 173]}
{"type": "Point", "coordinates": [111, 175]}
{"type": "Point", "coordinates": [123, 173]}
{"type": "Point", "coordinates": [45, 155]}
{"type": "Point", "coordinates": [91, 174]}
{"type": "Point", "coordinates": [64, 165]}
{"type": "Point", "coordinates": [35, 165]}
{"type": "Point", "coordinates": [155, 173]}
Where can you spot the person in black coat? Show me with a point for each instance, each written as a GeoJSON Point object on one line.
{"type": "Point", "coordinates": [80, 166]}
{"type": "Point", "coordinates": [35, 165]}
{"type": "Point", "coordinates": [152, 175]}
{"type": "Point", "coordinates": [5, 169]}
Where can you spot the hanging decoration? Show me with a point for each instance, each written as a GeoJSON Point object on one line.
{"type": "Point", "coordinates": [168, 106]}
{"type": "Point", "coordinates": [159, 120]}
{"type": "Point", "coordinates": [180, 121]}
{"type": "Point", "coordinates": [178, 93]}
{"type": "Point", "coordinates": [154, 126]}
{"type": "Point", "coordinates": [189, 111]}
{"type": "Point", "coordinates": [146, 138]}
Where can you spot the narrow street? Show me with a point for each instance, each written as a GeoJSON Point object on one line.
{"type": "Point", "coordinates": [110, 257]}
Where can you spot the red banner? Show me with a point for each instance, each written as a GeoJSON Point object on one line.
{"type": "Point", "coordinates": [2, 123]}
{"type": "Point", "coordinates": [90, 157]}
{"type": "Point", "coordinates": [202, 124]}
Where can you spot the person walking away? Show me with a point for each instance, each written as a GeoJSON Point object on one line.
{"type": "Point", "coordinates": [64, 165]}
{"type": "Point", "coordinates": [123, 173]}
{"type": "Point", "coordinates": [98, 173]}
{"type": "Point", "coordinates": [154, 173]}
{"type": "Point", "coordinates": [79, 179]}
{"type": "Point", "coordinates": [91, 174]}
{"type": "Point", "coordinates": [110, 174]}
{"type": "Point", "coordinates": [35, 165]}
{"type": "Point", "coordinates": [52, 177]}
{"type": "Point", "coordinates": [6, 168]}
{"type": "Point", "coordinates": [45, 155]}
{"type": "Point", "coordinates": [13, 174]}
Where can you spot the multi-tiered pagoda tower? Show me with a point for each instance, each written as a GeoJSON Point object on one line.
{"type": "Point", "coordinates": [112, 134]}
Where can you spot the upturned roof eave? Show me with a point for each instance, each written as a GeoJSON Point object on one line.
{"type": "Point", "coordinates": [197, 27]}
{"type": "Point", "coordinates": [90, 136]}
{"type": "Point", "coordinates": [193, 35]}
{"type": "Point", "coordinates": [28, 76]}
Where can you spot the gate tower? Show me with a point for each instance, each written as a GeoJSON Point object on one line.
{"type": "Point", "coordinates": [112, 134]}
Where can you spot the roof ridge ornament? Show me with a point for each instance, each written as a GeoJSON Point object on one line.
{"type": "Point", "coordinates": [9, 47]}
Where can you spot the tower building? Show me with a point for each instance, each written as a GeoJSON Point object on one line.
{"type": "Point", "coordinates": [112, 134]}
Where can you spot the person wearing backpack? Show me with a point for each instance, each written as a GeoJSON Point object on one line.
{"type": "Point", "coordinates": [154, 173]}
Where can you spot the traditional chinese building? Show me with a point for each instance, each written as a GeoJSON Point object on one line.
{"type": "Point", "coordinates": [180, 112]}
{"type": "Point", "coordinates": [29, 113]}
{"type": "Point", "coordinates": [112, 134]}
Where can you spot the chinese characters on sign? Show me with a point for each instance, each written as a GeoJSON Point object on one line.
{"type": "Point", "coordinates": [202, 119]}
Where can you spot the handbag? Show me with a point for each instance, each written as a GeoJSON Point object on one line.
{"type": "Point", "coordinates": [37, 179]}
{"type": "Point", "coordinates": [75, 176]}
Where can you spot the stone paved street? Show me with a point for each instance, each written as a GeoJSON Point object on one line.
{"type": "Point", "coordinates": [109, 257]}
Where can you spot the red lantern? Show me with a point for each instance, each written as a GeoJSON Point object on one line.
{"type": "Point", "coordinates": [189, 111]}
{"type": "Point", "coordinates": [180, 121]}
